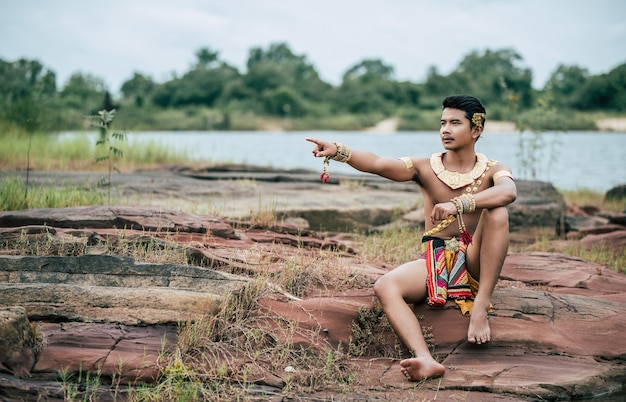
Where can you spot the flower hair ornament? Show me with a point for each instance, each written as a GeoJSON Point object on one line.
{"type": "Point", "coordinates": [478, 119]}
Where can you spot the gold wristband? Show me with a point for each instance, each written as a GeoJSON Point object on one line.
{"type": "Point", "coordinates": [464, 203]}
{"type": "Point", "coordinates": [344, 153]}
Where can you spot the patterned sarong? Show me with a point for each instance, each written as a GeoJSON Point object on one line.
{"type": "Point", "coordinates": [447, 272]}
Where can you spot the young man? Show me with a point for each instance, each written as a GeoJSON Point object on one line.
{"type": "Point", "coordinates": [467, 229]}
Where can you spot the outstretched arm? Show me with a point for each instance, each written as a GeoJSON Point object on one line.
{"type": "Point", "coordinates": [368, 162]}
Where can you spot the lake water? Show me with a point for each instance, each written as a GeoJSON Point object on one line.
{"type": "Point", "coordinates": [569, 160]}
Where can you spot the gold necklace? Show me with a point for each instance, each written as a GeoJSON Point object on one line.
{"type": "Point", "coordinates": [456, 180]}
{"type": "Point", "coordinates": [471, 189]}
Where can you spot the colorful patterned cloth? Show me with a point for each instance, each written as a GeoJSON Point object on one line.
{"type": "Point", "coordinates": [447, 272]}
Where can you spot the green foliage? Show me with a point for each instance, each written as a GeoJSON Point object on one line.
{"type": "Point", "coordinates": [604, 92]}
{"type": "Point", "coordinates": [279, 83]}
{"type": "Point", "coordinates": [138, 89]}
{"type": "Point", "coordinates": [83, 93]}
{"type": "Point", "coordinates": [565, 83]}
{"type": "Point", "coordinates": [492, 76]}
{"type": "Point", "coordinates": [283, 101]}
{"type": "Point", "coordinates": [26, 89]}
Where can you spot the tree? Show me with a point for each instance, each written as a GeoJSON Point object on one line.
{"type": "Point", "coordinates": [278, 67]}
{"type": "Point", "coordinates": [564, 83]}
{"type": "Point", "coordinates": [26, 90]}
{"type": "Point", "coordinates": [492, 76]}
{"type": "Point", "coordinates": [369, 68]}
{"type": "Point", "coordinates": [203, 85]}
{"type": "Point", "coordinates": [206, 57]}
{"type": "Point", "coordinates": [278, 53]}
{"type": "Point", "coordinates": [138, 89]}
{"type": "Point", "coordinates": [83, 92]}
{"type": "Point", "coordinates": [604, 91]}
{"type": "Point", "coordinates": [368, 87]}
{"type": "Point", "coordinates": [283, 101]}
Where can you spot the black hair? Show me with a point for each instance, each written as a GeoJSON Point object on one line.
{"type": "Point", "coordinates": [466, 103]}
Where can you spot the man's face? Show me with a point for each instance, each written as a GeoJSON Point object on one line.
{"type": "Point", "coordinates": [455, 129]}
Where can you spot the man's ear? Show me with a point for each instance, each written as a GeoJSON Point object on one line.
{"type": "Point", "coordinates": [477, 131]}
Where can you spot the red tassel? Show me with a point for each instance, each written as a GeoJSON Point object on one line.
{"type": "Point", "coordinates": [466, 237]}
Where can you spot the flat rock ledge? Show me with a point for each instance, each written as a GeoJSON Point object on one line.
{"type": "Point", "coordinates": [556, 326]}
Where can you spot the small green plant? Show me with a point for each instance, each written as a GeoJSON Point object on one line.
{"type": "Point", "coordinates": [369, 334]}
{"type": "Point", "coordinates": [81, 386]}
{"type": "Point", "coordinates": [533, 151]}
{"type": "Point", "coordinates": [107, 141]}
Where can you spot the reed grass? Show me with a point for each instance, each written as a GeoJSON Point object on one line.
{"type": "Point", "coordinates": [604, 255]}
{"type": "Point", "coordinates": [585, 197]}
{"type": "Point", "coordinates": [40, 151]}
{"type": "Point", "coordinates": [16, 195]}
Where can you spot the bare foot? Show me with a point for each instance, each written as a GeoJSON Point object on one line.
{"type": "Point", "coordinates": [420, 368]}
{"type": "Point", "coordinates": [478, 331]}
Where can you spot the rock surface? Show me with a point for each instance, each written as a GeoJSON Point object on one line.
{"type": "Point", "coordinates": [345, 203]}
{"type": "Point", "coordinates": [556, 326]}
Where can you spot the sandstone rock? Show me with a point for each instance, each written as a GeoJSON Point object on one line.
{"type": "Point", "coordinates": [105, 288]}
{"type": "Point", "coordinates": [129, 353]}
{"type": "Point", "coordinates": [556, 325]}
{"type": "Point", "coordinates": [576, 223]}
{"type": "Point", "coordinates": [18, 341]}
{"type": "Point", "coordinates": [552, 320]}
{"type": "Point", "coordinates": [97, 217]}
{"type": "Point", "coordinates": [538, 204]}
{"type": "Point", "coordinates": [616, 193]}
{"type": "Point", "coordinates": [618, 219]}
{"type": "Point", "coordinates": [349, 202]}
{"type": "Point", "coordinates": [615, 240]}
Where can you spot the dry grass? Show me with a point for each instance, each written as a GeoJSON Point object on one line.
{"type": "Point", "coordinates": [392, 247]}
{"type": "Point", "coordinates": [586, 197]}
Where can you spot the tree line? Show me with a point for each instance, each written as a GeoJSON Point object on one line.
{"type": "Point", "coordinates": [281, 85]}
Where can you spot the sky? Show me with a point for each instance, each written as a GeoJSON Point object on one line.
{"type": "Point", "coordinates": [114, 39]}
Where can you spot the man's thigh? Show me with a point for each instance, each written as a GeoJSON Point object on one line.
{"type": "Point", "coordinates": [410, 280]}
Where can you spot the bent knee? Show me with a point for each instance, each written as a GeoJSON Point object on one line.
{"type": "Point", "coordinates": [498, 216]}
{"type": "Point", "coordinates": [379, 286]}
{"type": "Point", "coordinates": [383, 286]}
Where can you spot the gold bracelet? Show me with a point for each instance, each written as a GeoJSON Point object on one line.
{"type": "Point", "coordinates": [458, 205]}
{"type": "Point", "coordinates": [469, 204]}
{"type": "Point", "coordinates": [464, 203]}
{"type": "Point", "coordinates": [344, 153]}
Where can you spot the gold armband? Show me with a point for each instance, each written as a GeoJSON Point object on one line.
{"type": "Point", "coordinates": [407, 162]}
{"type": "Point", "coordinates": [502, 173]}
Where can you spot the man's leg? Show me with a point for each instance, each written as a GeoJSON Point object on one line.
{"type": "Point", "coordinates": [485, 257]}
{"type": "Point", "coordinates": [407, 284]}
